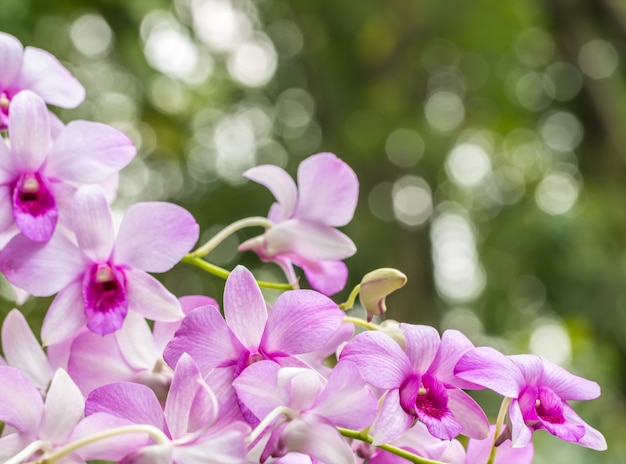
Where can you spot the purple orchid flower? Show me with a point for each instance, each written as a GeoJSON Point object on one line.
{"type": "Point", "coordinates": [103, 277]}
{"type": "Point", "coordinates": [305, 218]}
{"type": "Point", "coordinates": [195, 434]}
{"type": "Point", "coordinates": [419, 381]}
{"type": "Point", "coordinates": [36, 70]}
{"type": "Point", "coordinates": [310, 408]}
{"type": "Point", "coordinates": [539, 392]}
{"type": "Point", "coordinates": [300, 321]}
{"type": "Point", "coordinates": [39, 174]}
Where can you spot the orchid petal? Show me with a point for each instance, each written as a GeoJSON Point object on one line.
{"type": "Point", "coordinates": [392, 420]}
{"type": "Point", "coordinates": [21, 406]}
{"type": "Point", "coordinates": [92, 223]}
{"type": "Point", "coordinates": [6, 208]}
{"type": "Point", "coordinates": [280, 184]}
{"type": "Point", "coordinates": [228, 446]}
{"type": "Point", "coordinates": [30, 131]}
{"type": "Point", "coordinates": [46, 76]}
{"type": "Point", "coordinates": [301, 321]}
{"type": "Point", "coordinates": [154, 236]}
{"type": "Point", "coordinates": [469, 414]}
{"type": "Point", "coordinates": [592, 438]}
{"type": "Point", "coordinates": [127, 400]}
{"type": "Point", "coordinates": [380, 360]}
{"type": "Point", "coordinates": [318, 439]}
{"type": "Point", "coordinates": [137, 343]}
{"type": "Point", "coordinates": [521, 434]}
{"type": "Point", "coordinates": [66, 315]}
{"type": "Point", "coordinates": [34, 207]}
{"type": "Point", "coordinates": [208, 340]}
{"type": "Point", "coordinates": [41, 269]}
{"type": "Point", "coordinates": [327, 277]}
{"type": "Point", "coordinates": [23, 351]}
{"type": "Point", "coordinates": [11, 53]}
{"type": "Point", "coordinates": [329, 190]}
{"type": "Point", "coordinates": [184, 388]}
{"type": "Point", "coordinates": [566, 385]}
{"type": "Point", "coordinates": [453, 345]}
{"type": "Point", "coordinates": [489, 368]}
{"type": "Point", "coordinates": [150, 298]}
{"type": "Point", "coordinates": [63, 409]}
{"type": "Point", "coordinates": [245, 310]}
{"type": "Point", "coordinates": [347, 401]}
{"type": "Point", "coordinates": [257, 389]}
{"type": "Point", "coordinates": [422, 344]}
{"type": "Point", "coordinates": [311, 240]}
{"type": "Point", "coordinates": [89, 152]}
{"type": "Point", "coordinates": [8, 170]}
{"type": "Point", "coordinates": [530, 367]}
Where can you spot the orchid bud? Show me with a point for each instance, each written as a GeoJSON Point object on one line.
{"type": "Point", "coordinates": [375, 286]}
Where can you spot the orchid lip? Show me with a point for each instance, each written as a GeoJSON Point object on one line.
{"type": "Point", "coordinates": [104, 293]}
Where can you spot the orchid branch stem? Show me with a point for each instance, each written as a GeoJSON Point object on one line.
{"type": "Point", "coordinates": [361, 323]}
{"type": "Point", "coordinates": [150, 430]}
{"type": "Point", "coordinates": [227, 231]}
{"type": "Point", "coordinates": [223, 273]}
{"type": "Point", "coordinates": [504, 407]}
{"type": "Point", "coordinates": [26, 452]}
{"type": "Point", "coordinates": [349, 303]}
{"type": "Point", "coordinates": [358, 435]}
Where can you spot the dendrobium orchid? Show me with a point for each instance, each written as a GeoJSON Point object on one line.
{"type": "Point", "coordinates": [36, 70]}
{"type": "Point", "coordinates": [103, 277]}
{"type": "Point", "coordinates": [305, 218]}
{"type": "Point", "coordinates": [419, 382]}
{"type": "Point", "coordinates": [539, 391]}
{"type": "Point", "coordinates": [304, 410]}
{"type": "Point", "coordinates": [39, 174]}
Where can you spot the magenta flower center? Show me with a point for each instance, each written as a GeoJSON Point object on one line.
{"type": "Point", "coordinates": [104, 292]}
{"type": "Point", "coordinates": [424, 396]}
{"type": "Point", "coordinates": [549, 406]}
{"type": "Point", "coordinates": [32, 196]}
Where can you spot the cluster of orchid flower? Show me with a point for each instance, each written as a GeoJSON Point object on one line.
{"type": "Point", "coordinates": [297, 381]}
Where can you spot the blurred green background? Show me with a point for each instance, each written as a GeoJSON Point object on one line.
{"type": "Point", "coordinates": [488, 138]}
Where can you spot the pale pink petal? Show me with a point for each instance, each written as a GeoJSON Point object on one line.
{"type": "Point", "coordinates": [180, 399]}
{"type": "Point", "coordinates": [530, 366]}
{"type": "Point", "coordinates": [379, 358]}
{"type": "Point", "coordinates": [301, 321]}
{"type": "Point", "coordinates": [89, 152]}
{"type": "Point", "coordinates": [422, 343]}
{"type": "Point", "coordinates": [311, 240]}
{"type": "Point", "coordinates": [329, 190]}
{"type": "Point", "coordinates": [478, 451]}
{"type": "Point", "coordinates": [489, 368]}
{"type": "Point", "coordinates": [30, 131]}
{"type": "Point", "coordinates": [223, 445]}
{"type": "Point", "coordinates": [468, 413]}
{"type": "Point", "coordinates": [12, 444]}
{"type": "Point", "coordinates": [23, 351]}
{"type": "Point", "coordinates": [257, 389]}
{"type": "Point", "coordinates": [11, 52]}
{"type": "Point", "coordinates": [127, 400]}
{"type": "Point", "coordinates": [42, 269]}
{"type": "Point", "coordinates": [137, 343]}
{"type": "Point", "coordinates": [318, 439]}
{"type": "Point", "coordinates": [592, 438]}
{"type": "Point", "coordinates": [150, 298]}
{"type": "Point", "coordinates": [66, 315]}
{"type": "Point", "coordinates": [8, 170]}
{"type": "Point", "coordinates": [327, 277]}
{"type": "Point", "coordinates": [245, 310]}
{"type": "Point", "coordinates": [567, 385]}
{"type": "Point", "coordinates": [63, 409]}
{"type": "Point", "coordinates": [208, 340]}
{"type": "Point", "coordinates": [92, 223]}
{"type": "Point", "coordinates": [154, 236]}
{"type": "Point", "coordinates": [96, 360]}
{"type": "Point", "coordinates": [21, 406]}
{"type": "Point", "coordinates": [347, 401]}
{"type": "Point", "coordinates": [453, 345]}
{"type": "Point", "coordinates": [45, 75]}
{"type": "Point", "coordinates": [280, 184]}
{"type": "Point", "coordinates": [392, 420]}
{"type": "Point", "coordinates": [521, 434]}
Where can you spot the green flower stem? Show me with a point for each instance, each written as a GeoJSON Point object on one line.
{"type": "Point", "coordinates": [361, 323]}
{"type": "Point", "coordinates": [504, 407]}
{"type": "Point", "coordinates": [223, 273]}
{"type": "Point", "coordinates": [155, 433]}
{"type": "Point", "coordinates": [349, 303]}
{"type": "Point", "coordinates": [357, 435]}
{"type": "Point", "coordinates": [229, 230]}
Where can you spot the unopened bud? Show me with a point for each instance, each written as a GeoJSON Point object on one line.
{"type": "Point", "coordinates": [375, 286]}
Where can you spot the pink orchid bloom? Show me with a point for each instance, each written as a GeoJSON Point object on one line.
{"type": "Point", "coordinates": [103, 277]}
{"type": "Point", "coordinates": [419, 381]}
{"type": "Point", "coordinates": [539, 392]}
{"type": "Point", "coordinates": [36, 70]}
{"type": "Point", "coordinates": [478, 451]}
{"type": "Point", "coordinates": [39, 174]}
{"type": "Point", "coordinates": [311, 408]}
{"type": "Point", "coordinates": [189, 420]}
{"type": "Point", "coordinates": [305, 219]}
{"type": "Point", "coordinates": [300, 321]}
